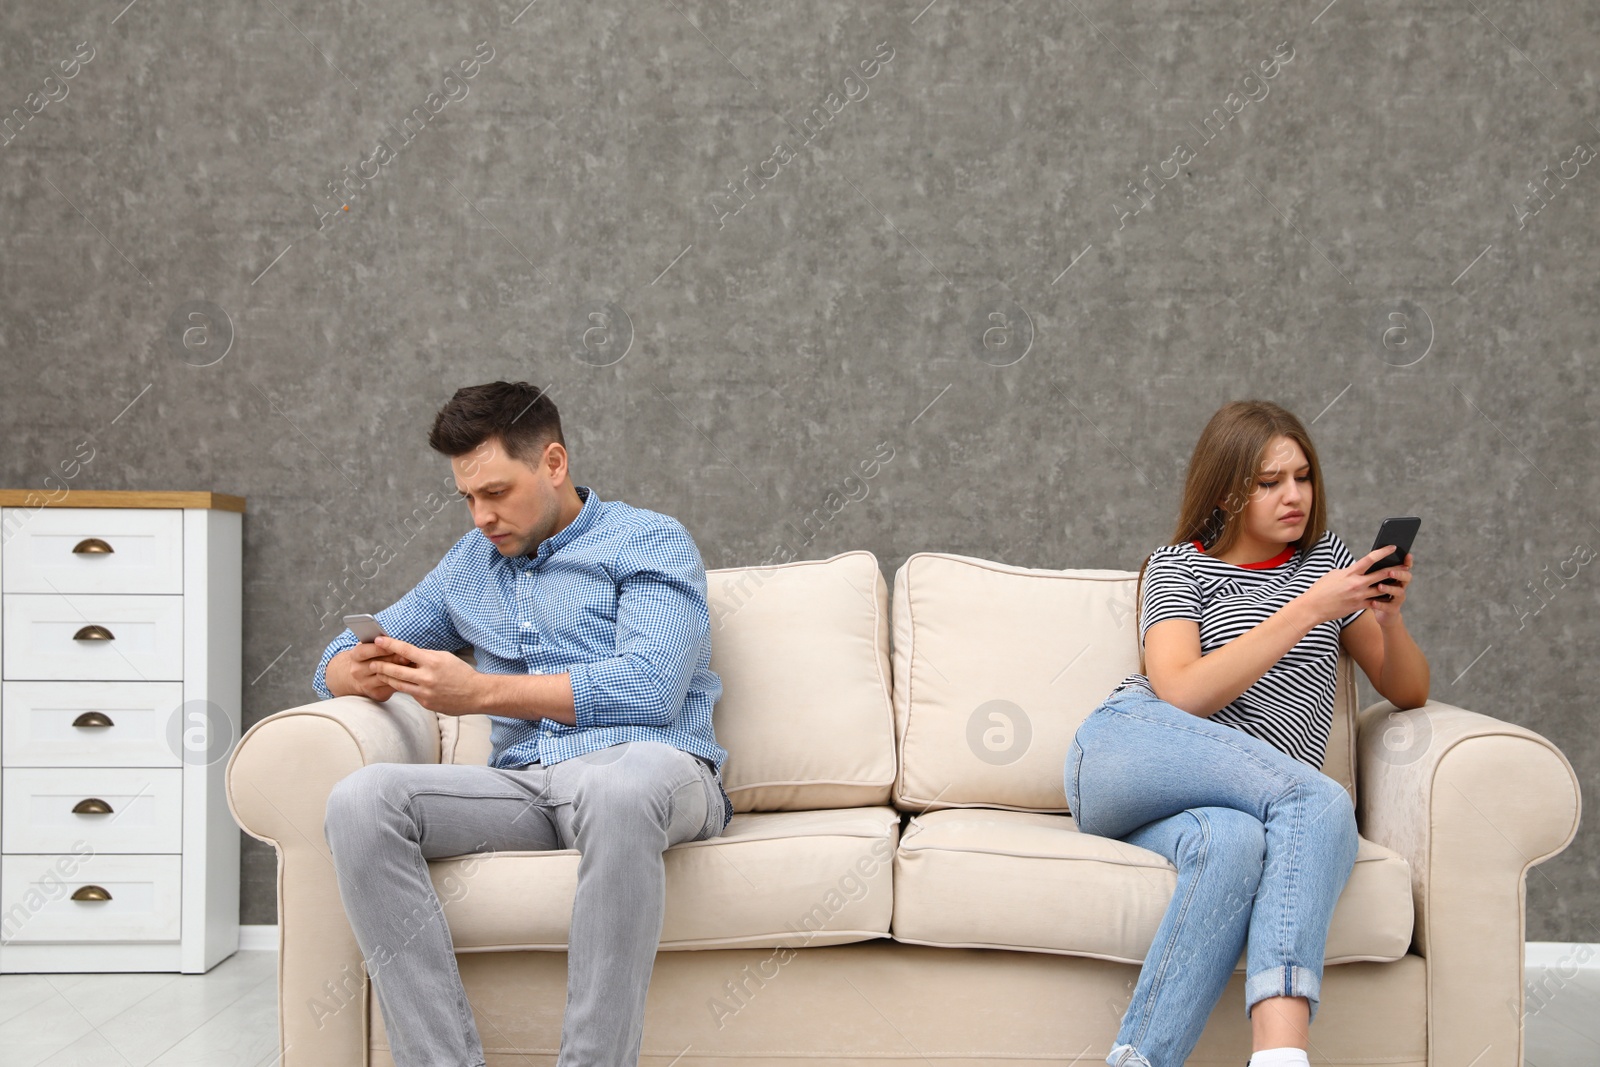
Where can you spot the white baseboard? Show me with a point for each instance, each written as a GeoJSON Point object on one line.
{"type": "Point", "coordinates": [1564, 956]}
{"type": "Point", "coordinates": [258, 938]}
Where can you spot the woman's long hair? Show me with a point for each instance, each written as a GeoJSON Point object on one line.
{"type": "Point", "coordinates": [1224, 467]}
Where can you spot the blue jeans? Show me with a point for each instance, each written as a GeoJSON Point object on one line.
{"type": "Point", "coordinates": [1263, 844]}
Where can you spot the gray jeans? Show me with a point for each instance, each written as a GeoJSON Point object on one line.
{"type": "Point", "coordinates": [621, 807]}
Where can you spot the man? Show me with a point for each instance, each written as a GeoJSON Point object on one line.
{"type": "Point", "coordinates": [592, 637]}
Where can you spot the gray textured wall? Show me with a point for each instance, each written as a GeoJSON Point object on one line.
{"type": "Point", "coordinates": [947, 257]}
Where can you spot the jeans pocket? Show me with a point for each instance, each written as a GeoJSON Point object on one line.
{"type": "Point", "coordinates": [1073, 770]}
{"type": "Point", "coordinates": [558, 782]}
{"type": "Point", "coordinates": [716, 810]}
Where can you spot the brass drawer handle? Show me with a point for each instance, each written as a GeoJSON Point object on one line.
{"type": "Point", "coordinates": [92, 546]}
{"type": "Point", "coordinates": [93, 718]}
{"type": "Point", "coordinates": [93, 632]}
{"type": "Point", "coordinates": [91, 806]}
{"type": "Point", "coordinates": [90, 892]}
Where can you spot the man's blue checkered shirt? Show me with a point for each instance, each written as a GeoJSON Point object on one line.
{"type": "Point", "coordinates": [616, 599]}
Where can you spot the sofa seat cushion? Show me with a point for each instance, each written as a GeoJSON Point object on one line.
{"type": "Point", "coordinates": [982, 878]}
{"type": "Point", "coordinates": [772, 879]}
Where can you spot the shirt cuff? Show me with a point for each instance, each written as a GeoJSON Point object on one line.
{"type": "Point", "coordinates": [581, 676]}
{"type": "Point", "coordinates": [319, 677]}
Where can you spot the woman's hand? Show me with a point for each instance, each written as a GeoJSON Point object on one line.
{"type": "Point", "coordinates": [1390, 657]}
{"type": "Point", "coordinates": [1387, 612]}
{"type": "Point", "coordinates": [1349, 589]}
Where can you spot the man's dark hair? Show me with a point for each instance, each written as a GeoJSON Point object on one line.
{"type": "Point", "coordinates": [523, 416]}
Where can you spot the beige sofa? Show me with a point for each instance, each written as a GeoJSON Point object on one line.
{"type": "Point", "coordinates": [901, 882]}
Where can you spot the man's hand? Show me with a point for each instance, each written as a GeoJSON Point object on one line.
{"type": "Point", "coordinates": [354, 672]}
{"type": "Point", "coordinates": [440, 681]}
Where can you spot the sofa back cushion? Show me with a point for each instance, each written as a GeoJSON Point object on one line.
{"type": "Point", "coordinates": [803, 653]}
{"type": "Point", "coordinates": [463, 738]}
{"type": "Point", "coordinates": [994, 668]}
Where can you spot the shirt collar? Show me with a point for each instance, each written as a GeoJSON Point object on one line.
{"type": "Point", "coordinates": [1260, 565]}
{"type": "Point", "coordinates": [579, 524]}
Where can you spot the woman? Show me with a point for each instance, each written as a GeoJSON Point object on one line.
{"type": "Point", "coordinates": [1211, 755]}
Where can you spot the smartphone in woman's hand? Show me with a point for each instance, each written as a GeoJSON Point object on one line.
{"type": "Point", "coordinates": [1399, 532]}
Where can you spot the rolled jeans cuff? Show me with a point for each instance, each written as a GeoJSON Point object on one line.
{"type": "Point", "coordinates": [1285, 981]}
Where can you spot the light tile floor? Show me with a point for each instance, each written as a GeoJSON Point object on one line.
{"type": "Point", "coordinates": [228, 1018]}
{"type": "Point", "coordinates": [1561, 1016]}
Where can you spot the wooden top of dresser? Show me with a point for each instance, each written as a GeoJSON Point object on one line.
{"type": "Point", "coordinates": [121, 498]}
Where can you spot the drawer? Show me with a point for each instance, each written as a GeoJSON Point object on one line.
{"type": "Point", "coordinates": [90, 724]}
{"type": "Point", "coordinates": [141, 897]}
{"type": "Point", "coordinates": [94, 550]}
{"type": "Point", "coordinates": [46, 637]}
{"type": "Point", "coordinates": [146, 809]}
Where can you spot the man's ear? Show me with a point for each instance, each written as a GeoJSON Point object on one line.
{"type": "Point", "coordinates": [554, 461]}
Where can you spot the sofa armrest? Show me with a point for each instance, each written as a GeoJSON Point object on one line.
{"type": "Point", "coordinates": [279, 778]}
{"type": "Point", "coordinates": [1472, 803]}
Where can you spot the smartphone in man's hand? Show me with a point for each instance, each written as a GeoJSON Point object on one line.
{"type": "Point", "coordinates": [366, 628]}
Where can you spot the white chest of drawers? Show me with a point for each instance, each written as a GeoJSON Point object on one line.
{"type": "Point", "coordinates": [120, 692]}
